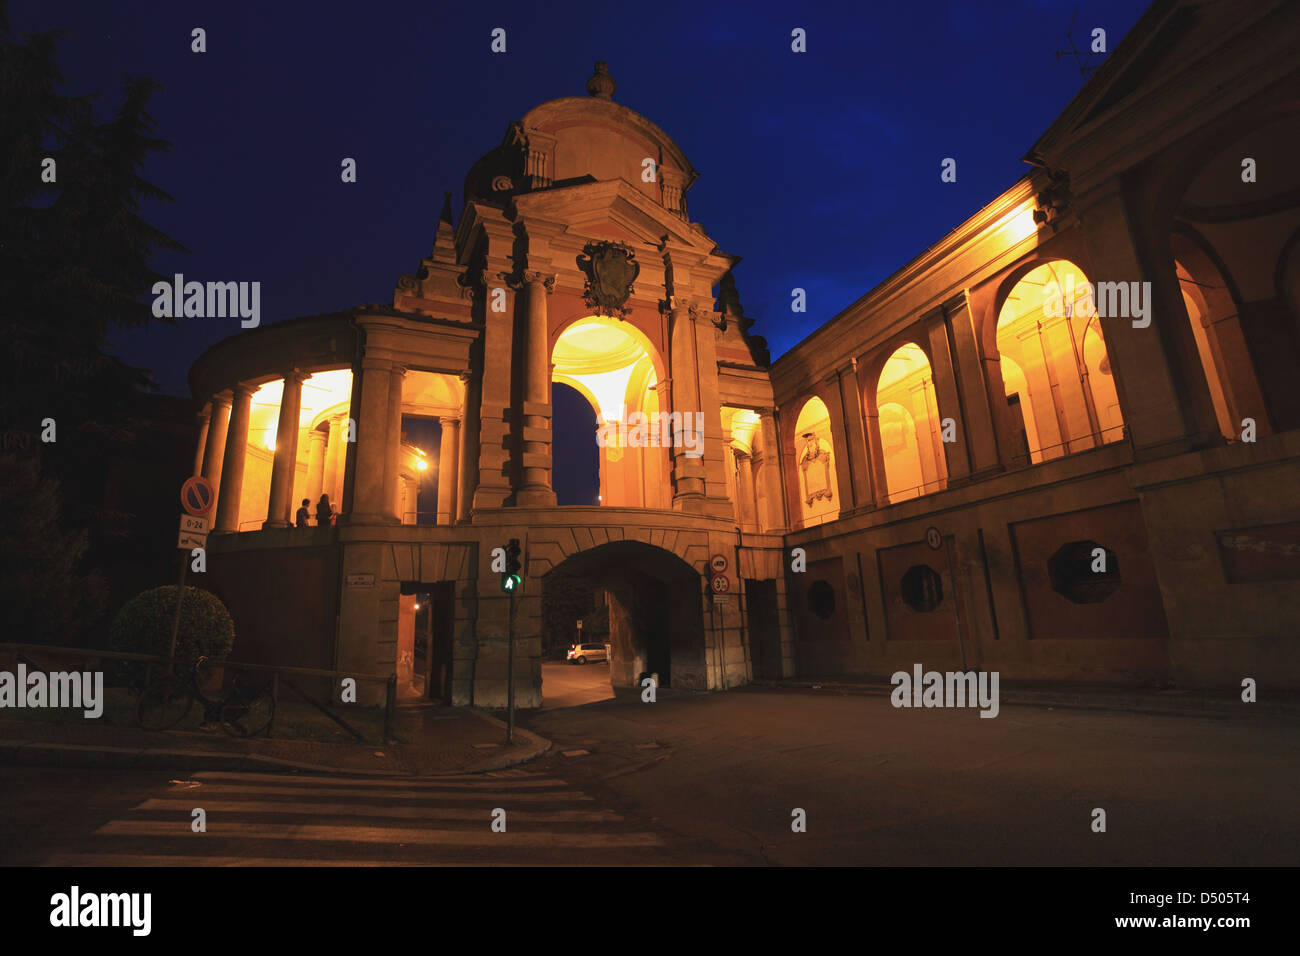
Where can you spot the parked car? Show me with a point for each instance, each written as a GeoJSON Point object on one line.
{"type": "Point", "coordinates": [581, 653]}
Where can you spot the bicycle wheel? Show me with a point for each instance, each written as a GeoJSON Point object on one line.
{"type": "Point", "coordinates": [248, 713]}
{"type": "Point", "coordinates": [164, 704]}
{"type": "Point", "coordinates": [206, 685]}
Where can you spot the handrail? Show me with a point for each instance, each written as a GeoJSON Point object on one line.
{"type": "Point", "coordinates": [20, 650]}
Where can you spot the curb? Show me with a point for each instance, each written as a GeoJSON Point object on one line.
{"type": "Point", "coordinates": [538, 745]}
{"type": "Point", "coordinates": [37, 753]}
{"type": "Point", "coordinates": [1170, 708]}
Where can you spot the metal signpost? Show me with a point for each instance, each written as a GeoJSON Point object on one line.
{"type": "Point", "coordinates": [196, 498]}
{"type": "Point", "coordinates": [511, 582]}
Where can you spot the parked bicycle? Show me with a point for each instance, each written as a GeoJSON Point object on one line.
{"type": "Point", "coordinates": [245, 709]}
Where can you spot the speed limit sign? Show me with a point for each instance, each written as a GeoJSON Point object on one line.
{"type": "Point", "coordinates": [933, 538]}
{"type": "Point", "coordinates": [720, 583]}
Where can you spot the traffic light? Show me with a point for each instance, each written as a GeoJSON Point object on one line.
{"type": "Point", "coordinates": [512, 580]}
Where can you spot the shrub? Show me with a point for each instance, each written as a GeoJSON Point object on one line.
{"type": "Point", "coordinates": [144, 625]}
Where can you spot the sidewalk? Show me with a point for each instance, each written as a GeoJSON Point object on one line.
{"type": "Point", "coordinates": [441, 740]}
{"type": "Point", "coordinates": [1171, 701]}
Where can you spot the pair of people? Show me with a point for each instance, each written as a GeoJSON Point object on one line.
{"type": "Point", "coordinates": [324, 513]}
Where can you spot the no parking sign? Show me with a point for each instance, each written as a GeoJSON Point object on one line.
{"type": "Point", "coordinates": [197, 495]}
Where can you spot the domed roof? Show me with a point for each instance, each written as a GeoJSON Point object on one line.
{"type": "Point", "coordinates": [582, 138]}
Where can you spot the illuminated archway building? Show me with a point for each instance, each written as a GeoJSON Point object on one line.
{"type": "Point", "coordinates": [989, 460]}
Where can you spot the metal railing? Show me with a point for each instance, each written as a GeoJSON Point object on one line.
{"type": "Point", "coordinates": [255, 524]}
{"type": "Point", "coordinates": [279, 674]}
{"type": "Point", "coordinates": [1116, 432]}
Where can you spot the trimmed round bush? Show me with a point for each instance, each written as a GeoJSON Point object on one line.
{"type": "Point", "coordinates": [144, 625]}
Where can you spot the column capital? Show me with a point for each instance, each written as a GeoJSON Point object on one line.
{"type": "Point", "coordinates": [221, 400]}
{"type": "Point", "coordinates": [296, 375]}
{"type": "Point", "coordinates": [536, 277]}
{"type": "Point", "coordinates": [681, 303]}
{"type": "Point", "coordinates": [243, 389]}
{"type": "Point", "coordinates": [449, 420]}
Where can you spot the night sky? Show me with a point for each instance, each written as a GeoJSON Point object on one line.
{"type": "Point", "coordinates": [820, 169]}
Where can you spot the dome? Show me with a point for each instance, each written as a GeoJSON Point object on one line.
{"type": "Point", "coordinates": [578, 139]}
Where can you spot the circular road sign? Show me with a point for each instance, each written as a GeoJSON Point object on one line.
{"type": "Point", "coordinates": [718, 563]}
{"type": "Point", "coordinates": [721, 584]}
{"type": "Point", "coordinates": [197, 495]}
{"type": "Point", "coordinates": [933, 538]}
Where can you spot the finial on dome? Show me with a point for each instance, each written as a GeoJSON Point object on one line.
{"type": "Point", "coordinates": [601, 85]}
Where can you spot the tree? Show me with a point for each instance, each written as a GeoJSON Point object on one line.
{"type": "Point", "coordinates": [46, 600]}
{"type": "Point", "coordinates": [75, 258]}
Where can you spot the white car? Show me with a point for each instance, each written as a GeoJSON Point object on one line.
{"type": "Point", "coordinates": [581, 653]}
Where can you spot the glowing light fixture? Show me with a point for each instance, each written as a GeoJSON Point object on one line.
{"type": "Point", "coordinates": [422, 465]}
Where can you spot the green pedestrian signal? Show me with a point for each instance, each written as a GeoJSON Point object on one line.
{"type": "Point", "coordinates": [512, 580]}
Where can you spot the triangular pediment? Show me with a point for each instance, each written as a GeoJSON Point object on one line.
{"type": "Point", "coordinates": [612, 209]}
{"type": "Point", "coordinates": [1168, 46]}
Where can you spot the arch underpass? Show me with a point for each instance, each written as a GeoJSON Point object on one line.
{"type": "Point", "coordinates": [656, 623]}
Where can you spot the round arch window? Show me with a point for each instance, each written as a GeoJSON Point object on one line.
{"type": "Point", "coordinates": [922, 588]}
{"type": "Point", "coordinates": [821, 599]}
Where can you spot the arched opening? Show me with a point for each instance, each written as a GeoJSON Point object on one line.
{"type": "Point", "coordinates": [1232, 229]}
{"type": "Point", "coordinates": [616, 369]}
{"type": "Point", "coordinates": [1055, 368]}
{"type": "Point", "coordinates": [1220, 343]}
{"type": "Point", "coordinates": [326, 398]}
{"type": "Point", "coordinates": [911, 433]}
{"type": "Point", "coordinates": [815, 458]}
{"type": "Point", "coordinates": [740, 425]}
{"type": "Point", "coordinates": [639, 604]}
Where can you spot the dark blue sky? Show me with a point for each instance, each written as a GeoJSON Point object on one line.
{"type": "Point", "coordinates": [820, 169]}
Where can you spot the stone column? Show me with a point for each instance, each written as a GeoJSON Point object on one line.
{"type": "Point", "coordinates": [214, 452]}
{"type": "Point", "coordinates": [980, 435]}
{"type": "Point", "coordinates": [448, 469]}
{"type": "Point", "coordinates": [467, 478]}
{"type": "Point", "coordinates": [204, 418]}
{"type": "Point", "coordinates": [335, 456]}
{"type": "Point", "coordinates": [279, 509]}
{"type": "Point", "coordinates": [1158, 407]}
{"type": "Point", "coordinates": [315, 466]}
{"type": "Point", "coordinates": [369, 493]}
{"type": "Point", "coordinates": [768, 459]}
{"type": "Point", "coordinates": [393, 446]}
{"type": "Point", "coordinates": [535, 490]}
{"type": "Point", "coordinates": [948, 403]}
{"type": "Point", "coordinates": [855, 439]}
{"type": "Point", "coordinates": [688, 473]}
{"type": "Point", "coordinates": [875, 449]}
{"type": "Point", "coordinates": [748, 501]}
{"type": "Point", "coordinates": [232, 472]}
{"type": "Point", "coordinates": [411, 500]}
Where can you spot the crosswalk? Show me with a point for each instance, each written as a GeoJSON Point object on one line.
{"type": "Point", "coordinates": [256, 819]}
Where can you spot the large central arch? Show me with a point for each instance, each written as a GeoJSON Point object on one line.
{"type": "Point", "coordinates": [616, 367]}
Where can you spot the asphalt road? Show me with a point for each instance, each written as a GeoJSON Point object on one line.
{"type": "Point", "coordinates": [571, 685]}
{"type": "Point", "coordinates": [714, 779]}
{"type": "Point", "coordinates": [886, 786]}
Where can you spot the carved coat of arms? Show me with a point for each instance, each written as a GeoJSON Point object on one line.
{"type": "Point", "coordinates": [611, 268]}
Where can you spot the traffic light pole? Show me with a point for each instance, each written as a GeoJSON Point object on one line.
{"type": "Point", "coordinates": [510, 674]}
